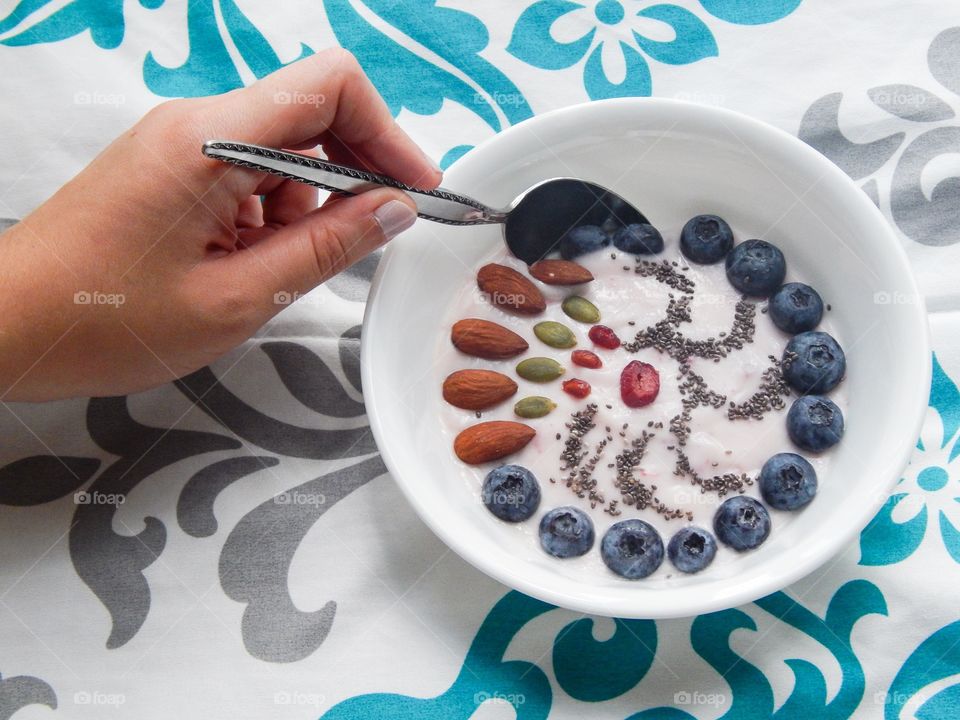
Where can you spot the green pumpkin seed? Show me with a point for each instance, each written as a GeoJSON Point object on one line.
{"type": "Point", "coordinates": [554, 334]}
{"type": "Point", "coordinates": [581, 309]}
{"type": "Point", "coordinates": [540, 369]}
{"type": "Point", "coordinates": [535, 406]}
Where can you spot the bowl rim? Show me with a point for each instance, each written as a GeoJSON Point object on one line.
{"type": "Point", "coordinates": [762, 585]}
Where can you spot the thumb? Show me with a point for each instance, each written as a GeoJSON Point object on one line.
{"type": "Point", "coordinates": [301, 255]}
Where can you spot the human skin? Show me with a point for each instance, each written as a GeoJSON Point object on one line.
{"type": "Point", "coordinates": [177, 256]}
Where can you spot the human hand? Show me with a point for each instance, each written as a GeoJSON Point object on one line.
{"type": "Point", "coordinates": [155, 260]}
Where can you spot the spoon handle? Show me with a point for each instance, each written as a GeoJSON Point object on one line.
{"type": "Point", "coordinates": [438, 205]}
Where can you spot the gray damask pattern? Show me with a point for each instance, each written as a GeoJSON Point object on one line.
{"type": "Point", "coordinates": [109, 563]}
{"type": "Point", "coordinates": [350, 356]}
{"type": "Point", "coordinates": [820, 128]}
{"type": "Point", "coordinates": [354, 283]}
{"type": "Point", "coordinates": [926, 220]}
{"type": "Point", "coordinates": [42, 478]}
{"type": "Point", "coordinates": [257, 553]}
{"type": "Point", "coordinates": [267, 432]}
{"type": "Point", "coordinates": [195, 505]}
{"type": "Point", "coordinates": [21, 690]}
{"type": "Point", "coordinates": [310, 381]}
{"type": "Point", "coordinates": [931, 222]}
{"type": "Point", "coordinates": [256, 559]}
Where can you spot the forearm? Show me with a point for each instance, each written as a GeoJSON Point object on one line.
{"type": "Point", "coordinates": [37, 313]}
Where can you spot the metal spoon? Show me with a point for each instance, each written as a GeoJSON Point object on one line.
{"type": "Point", "coordinates": [532, 225]}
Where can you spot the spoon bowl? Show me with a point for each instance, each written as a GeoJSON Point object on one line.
{"type": "Point", "coordinates": [541, 215]}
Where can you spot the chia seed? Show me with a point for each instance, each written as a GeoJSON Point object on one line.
{"type": "Point", "coordinates": [667, 339]}
{"type": "Point", "coordinates": [634, 492]}
{"type": "Point", "coordinates": [770, 395]}
{"type": "Point", "coordinates": [578, 465]}
{"type": "Point", "coordinates": [665, 273]}
{"type": "Point", "coordinates": [720, 484]}
{"type": "Point", "coordinates": [579, 475]}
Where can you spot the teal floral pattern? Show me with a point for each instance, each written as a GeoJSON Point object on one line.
{"type": "Point", "coordinates": [208, 69]}
{"type": "Point", "coordinates": [595, 671]}
{"type": "Point", "coordinates": [103, 18]}
{"type": "Point", "coordinates": [439, 46]}
{"type": "Point", "coordinates": [926, 497]}
{"type": "Point", "coordinates": [454, 36]}
{"type": "Point", "coordinates": [619, 33]}
{"type": "Point", "coordinates": [928, 683]}
{"type": "Point", "coordinates": [447, 65]}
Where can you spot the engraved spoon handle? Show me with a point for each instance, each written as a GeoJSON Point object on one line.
{"type": "Point", "coordinates": [438, 205]}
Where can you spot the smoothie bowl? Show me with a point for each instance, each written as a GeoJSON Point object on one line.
{"type": "Point", "coordinates": [665, 420]}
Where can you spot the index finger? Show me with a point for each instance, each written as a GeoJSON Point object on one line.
{"type": "Point", "coordinates": [327, 95]}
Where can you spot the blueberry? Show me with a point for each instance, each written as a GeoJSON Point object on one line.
{"type": "Point", "coordinates": [796, 308]}
{"type": "Point", "coordinates": [813, 362]}
{"type": "Point", "coordinates": [756, 267]}
{"type": "Point", "coordinates": [632, 549]}
{"type": "Point", "coordinates": [788, 481]}
{"type": "Point", "coordinates": [705, 239]}
{"type": "Point", "coordinates": [611, 224]}
{"type": "Point", "coordinates": [511, 492]}
{"type": "Point", "coordinates": [742, 523]}
{"type": "Point", "coordinates": [566, 532]}
{"type": "Point", "coordinates": [814, 423]}
{"type": "Point", "coordinates": [582, 240]}
{"type": "Point", "coordinates": [691, 549]}
{"type": "Point", "coordinates": [638, 239]}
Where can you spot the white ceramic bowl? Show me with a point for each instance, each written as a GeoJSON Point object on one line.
{"type": "Point", "coordinates": [672, 159]}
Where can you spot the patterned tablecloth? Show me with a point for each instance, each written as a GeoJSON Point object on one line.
{"type": "Point", "coordinates": [230, 545]}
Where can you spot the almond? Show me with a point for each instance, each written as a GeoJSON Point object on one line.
{"type": "Point", "coordinates": [492, 440]}
{"type": "Point", "coordinates": [487, 340]}
{"type": "Point", "coordinates": [477, 389]}
{"type": "Point", "coordinates": [509, 290]}
{"type": "Point", "coordinates": [560, 272]}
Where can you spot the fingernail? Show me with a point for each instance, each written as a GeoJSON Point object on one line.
{"type": "Point", "coordinates": [394, 217]}
{"type": "Point", "coordinates": [433, 163]}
